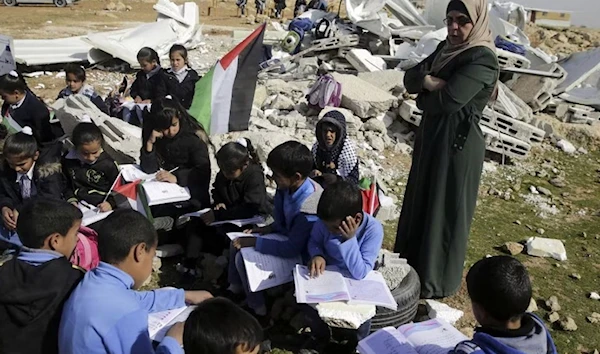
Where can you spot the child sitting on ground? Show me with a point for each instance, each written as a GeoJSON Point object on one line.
{"type": "Point", "coordinates": [220, 326]}
{"type": "Point", "coordinates": [35, 285]}
{"type": "Point", "coordinates": [181, 78]}
{"type": "Point", "coordinates": [500, 292]}
{"type": "Point", "coordinates": [75, 79]}
{"type": "Point", "coordinates": [344, 237]}
{"type": "Point", "coordinates": [90, 171]}
{"type": "Point", "coordinates": [22, 108]}
{"type": "Point", "coordinates": [105, 313]}
{"type": "Point", "coordinates": [291, 162]}
{"type": "Point", "coordinates": [27, 171]}
{"type": "Point", "coordinates": [334, 154]}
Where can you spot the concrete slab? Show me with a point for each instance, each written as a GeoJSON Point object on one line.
{"type": "Point", "coordinates": [364, 61]}
{"type": "Point", "coordinates": [546, 247]}
{"type": "Point", "coordinates": [410, 113]}
{"type": "Point", "coordinates": [362, 98]}
{"type": "Point", "coordinates": [579, 67]}
{"type": "Point", "coordinates": [388, 80]}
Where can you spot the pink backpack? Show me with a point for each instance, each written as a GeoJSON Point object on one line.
{"type": "Point", "coordinates": [86, 251]}
{"type": "Point", "coordinates": [325, 92]}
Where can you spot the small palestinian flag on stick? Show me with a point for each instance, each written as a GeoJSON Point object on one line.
{"type": "Point", "coordinates": [132, 196]}
{"type": "Point", "coordinates": [223, 97]}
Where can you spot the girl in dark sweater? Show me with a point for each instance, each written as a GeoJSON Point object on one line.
{"type": "Point", "coordinates": [181, 78]}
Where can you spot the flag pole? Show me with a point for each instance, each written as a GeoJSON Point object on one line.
{"type": "Point", "coordinates": [111, 188]}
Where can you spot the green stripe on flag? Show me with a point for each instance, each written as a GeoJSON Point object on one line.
{"type": "Point", "coordinates": [201, 108]}
{"type": "Point", "coordinates": [143, 200]}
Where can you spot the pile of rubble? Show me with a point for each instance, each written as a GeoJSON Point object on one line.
{"type": "Point", "coordinates": [562, 42]}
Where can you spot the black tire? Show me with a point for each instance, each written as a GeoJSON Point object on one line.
{"type": "Point", "coordinates": [60, 3]}
{"type": "Point", "coordinates": [10, 2]}
{"type": "Point", "coordinates": [407, 296]}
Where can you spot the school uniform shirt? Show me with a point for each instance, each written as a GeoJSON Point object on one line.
{"type": "Point", "coordinates": [182, 84]}
{"type": "Point", "coordinates": [357, 255]}
{"type": "Point", "coordinates": [89, 182]}
{"type": "Point", "coordinates": [105, 315]}
{"type": "Point", "coordinates": [150, 86]}
{"type": "Point", "coordinates": [45, 179]}
{"type": "Point", "coordinates": [291, 221]}
{"type": "Point", "coordinates": [89, 92]}
{"type": "Point", "coordinates": [33, 289]}
{"type": "Point", "coordinates": [187, 152]}
{"type": "Point", "coordinates": [31, 112]}
{"type": "Point", "coordinates": [244, 197]}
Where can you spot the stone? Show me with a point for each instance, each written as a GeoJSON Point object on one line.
{"type": "Point", "coordinates": [546, 247]}
{"type": "Point", "coordinates": [575, 276]}
{"type": "Point", "coordinates": [552, 304]}
{"type": "Point", "coordinates": [568, 324]}
{"type": "Point", "coordinates": [533, 190]}
{"type": "Point", "coordinates": [308, 66]}
{"type": "Point", "coordinates": [439, 310]}
{"type": "Point", "coordinates": [275, 86]}
{"type": "Point", "coordinates": [566, 146]}
{"type": "Point", "coordinates": [544, 191]}
{"type": "Point", "coordinates": [553, 317]}
{"type": "Point", "coordinates": [403, 148]}
{"type": "Point", "coordinates": [260, 95]}
{"type": "Point", "coordinates": [111, 6]}
{"type": "Point", "coordinates": [374, 125]}
{"type": "Point", "coordinates": [282, 102]}
{"type": "Point", "coordinates": [533, 307]}
{"type": "Point", "coordinates": [388, 80]}
{"type": "Point", "coordinates": [513, 248]}
{"type": "Point", "coordinates": [517, 222]}
{"type": "Point", "coordinates": [540, 231]}
{"type": "Point", "coordinates": [363, 61]}
{"type": "Point", "coordinates": [362, 98]}
{"type": "Point", "coordinates": [376, 142]}
{"type": "Point", "coordinates": [594, 296]}
{"type": "Point", "coordinates": [558, 182]}
{"type": "Point", "coordinates": [121, 7]}
{"type": "Point", "coordinates": [594, 318]}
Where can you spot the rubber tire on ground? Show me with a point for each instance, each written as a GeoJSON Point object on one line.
{"type": "Point", "coordinates": [10, 2]}
{"type": "Point", "coordinates": [407, 296]}
{"type": "Point", "coordinates": [60, 3]}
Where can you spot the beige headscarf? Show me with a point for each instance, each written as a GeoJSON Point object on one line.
{"type": "Point", "coordinates": [480, 36]}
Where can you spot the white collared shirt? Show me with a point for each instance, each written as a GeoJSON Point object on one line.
{"type": "Point", "coordinates": [20, 103]}
{"type": "Point", "coordinates": [181, 74]}
{"type": "Point", "coordinates": [29, 174]}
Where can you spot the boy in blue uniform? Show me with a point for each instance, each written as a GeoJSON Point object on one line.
{"type": "Point", "coordinates": [105, 314]}
{"type": "Point", "coordinates": [35, 285]}
{"type": "Point", "coordinates": [345, 237]}
{"type": "Point", "coordinates": [500, 293]}
{"type": "Point", "coordinates": [291, 162]}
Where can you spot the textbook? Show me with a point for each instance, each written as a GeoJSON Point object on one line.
{"type": "Point", "coordinates": [333, 286]}
{"type": "Point", "coordinates": [132, 173]}
{"type": "Point", "coordinates": [237, 222]}
{"type": "Point", "coordinates": [430, 337]}
{"type": "Point", "coordinates": [233, 235]}
{"type": "Point", "coordinates": [165, 193]}
{"type": "Point", "coordinates": [266, 271]}
{"type": "Point", "coordinates": [159, 323]}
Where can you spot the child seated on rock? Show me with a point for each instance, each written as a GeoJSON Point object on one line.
{"type": "Point", "coordinates": [500, 292]}
{"type": "Point", "coordinates": [344, 237]}
{"type": "Point", "coordinates": [220, 326]}
{"type": "Point", "coordinates": [75, 79]}
{"type": "Point", "coordinates": [36, 283]}
{"type": "Point", "coordinates": [105, 313]}
{"type": "Point", "coordinates": [291, 163]}
{"type": "Point", "coordinates": [334, 154]}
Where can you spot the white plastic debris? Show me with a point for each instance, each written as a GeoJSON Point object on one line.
{"type": "Point", "coordinates": [546, 247]}
{"type": "Point", "coordinates": [439, 310]}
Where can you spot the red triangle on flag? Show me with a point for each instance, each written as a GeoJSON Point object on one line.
{"type": "Point", "coordinates": [128, 190]}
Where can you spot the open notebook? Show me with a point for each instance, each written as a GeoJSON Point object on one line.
{"type": "Point", "coordinates": [237, 222]}
{"type": "Point", "coordinates": [430, 337]}
{"type": "Point", "coordinates": [131, 173]}
{"type": "Point", "coordinates": [159, 323]}
{"type": "Point", "coordinates": [266, 271]}
{"type": "Point", "coordinates": [333, 286]}
{"type": "Point", "coordinates": [91, 214]}
{"type": "Point", "coordinates": [165, 193]}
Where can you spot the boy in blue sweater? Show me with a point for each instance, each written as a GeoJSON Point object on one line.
{"type": "Point", "coordinates": [291, 162]}
{"type": "Point", "coordinates": [345, 237]}
{"type": "Point", "coordinates": [105, 314]}
{"type": "Point", "coordinates": [500, 293]}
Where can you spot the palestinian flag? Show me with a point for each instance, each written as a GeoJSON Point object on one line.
{"type": "Point", "coordinates": [132, 196]}
{"type": "Point", "coordinates": [223, 97]}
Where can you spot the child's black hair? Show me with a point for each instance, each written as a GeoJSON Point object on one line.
{"type": "Point", "coordinates": [76, 70]}
{"type": "Point", "coordinates": [339, 200]}
{"type": "Point", "coordinates": [148, 54]}
{"type": "Point", "coordinates": [165, 109]}
{"type": "Point", "coordinates": [42, 217]}
{"type": "Point", "coordinates": [85, 133]}
{"type": "Point", "coordinates": [290, 158]}
{"type": "Point", "coordinates": [178, 48]}
{"type": "Point", "coordinates": [233, 155]}
{"type": "Point", "coordinates": [13, 81]}
{"type": "Point", "coordinates": [501, 286]}
{"type": "Point", "coordinates": [122, 230]}
{"type": "Point", "coordinates": [220, 326]}
{"type": "Point", "coordinates": [20, 144]}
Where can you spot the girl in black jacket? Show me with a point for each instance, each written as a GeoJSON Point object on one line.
{"type": "Point", "coordinates": [181, 78]}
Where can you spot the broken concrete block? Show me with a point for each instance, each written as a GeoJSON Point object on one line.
{"type": "Point", "coordinates": [362, 98]}
{"type": "Point", "coordinates": [511, 105]}
{"type": "Point", "coordinates": [388, 80]}
{"type": "Point", "coordinates": [343, 315]}
{"type": "Point", "coordinates": [507, 59]}
{"type": "Point", "coordinates": [364, 61]}
{"type": "Point", "coordinates": [375, 141]}
{"type": "Point", "coordinates": [546, 247]}
{"type": "Point", "coordinates": [307, 66]}
{"type": "Point", "coordinates": [578, 115]}
{"type": "Point", "coordinates": [275, 86]}
{"type": "Point", "coordinates": [410, 112]}
{"type": "Point", "coordinates": [512, 127]}
{"type": "Point", "coordinates": [537, 91]}
{"type": "Point", "coordinates": [282, 102]}
{"type": "Point", "coordinates": [504, 144]}
{"type": "Point", "coordinates": [374, 125]}
{"type": "Point", "coordinates": [439, 310]}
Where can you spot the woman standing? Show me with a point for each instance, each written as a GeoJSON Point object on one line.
{"type": "Point", "coordinates": [454, 85]}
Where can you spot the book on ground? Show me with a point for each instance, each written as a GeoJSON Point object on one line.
{"type": "Point", "coordinates": [132, 173]}
{"type": "Point", "coordinates": [435, 336]}
{"type": "Point", "coordinates": [159, 323]}
{"type": "Point", "coordinates": [333, 286]}
{"type": "Point", "coordinates": [165, 193]}
{"type": "Point", "coordinates": [266, 271]}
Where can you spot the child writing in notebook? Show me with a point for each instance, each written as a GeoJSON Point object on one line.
{"type": "Point", "coordinates": [22, 108]}
{"type": "Point", "coordinates": [220, 326]}
{"type": "Point", "coordinates": [75, 79]}
{"type": "Point", "coordinates": [174, 141]}
{"type": "Point", "coordinates": [28, 171]}
{"type": "Point", "coordinates": [291, 162]}
{"type": "Point", "coordinates": [89, 170]}
{"type": "Point", "coordinates": [500, 292]}
{"type": "Point", "coordinates": [106, 313]}
{"type": "Point", "coordinates": [344, 237]}
{"type": "Point", "coordinates": [181, 78]}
